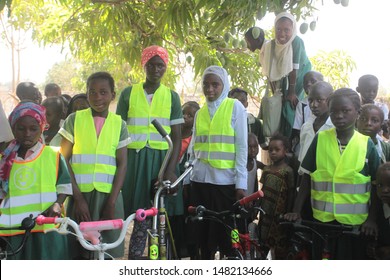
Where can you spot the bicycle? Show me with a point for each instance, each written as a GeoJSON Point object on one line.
{"type": "Point", "coordinates": [245, 246]}
{"type": "Point", "coordinates": [161, 242]}
{"type": "Point", "coordinates": [27, 225]}
{"type": "Point", "coordinates": [88, 233]}
{"type": "Point", "coordinates": [310, 240]}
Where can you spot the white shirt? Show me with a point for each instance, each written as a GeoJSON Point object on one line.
{"type": "Point", "coordinates": [306, 137]}
{"type": "Point", "coordinates": [205, 173]}
{"type": "Point", "coordinates": [302, 116]}
{"type": "Point", "coordinates": [384, 108]}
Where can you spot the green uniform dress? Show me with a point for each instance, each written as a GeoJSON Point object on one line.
{"type": "Point", "coordinates": [96, 200]}
{"type": "Point", "coordinates": [143, 165]}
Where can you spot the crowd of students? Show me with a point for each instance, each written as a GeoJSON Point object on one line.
{"type": "Point", "coordinates": [72, 156]}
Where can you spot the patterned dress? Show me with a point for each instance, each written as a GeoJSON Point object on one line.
{"type": "Point", "coordinates": [276, 184]}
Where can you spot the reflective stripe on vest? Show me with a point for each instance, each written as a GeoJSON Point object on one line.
{"type": "Point", "coordinates": [214, 140]}
{"type": "Point", "coordinates": [94, 160]}
{"type": "Point", "coordinates": [141, 114]}
{"type": "Point", "coordinates": [32, 189]}
{"type": "Point", "coordinates": [339, 191]}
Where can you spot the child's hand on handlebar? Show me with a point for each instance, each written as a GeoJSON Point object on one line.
{"type": "Point", "coordinates": [53, 211]}
{"type": "Point", "coordinates": [292, 217]}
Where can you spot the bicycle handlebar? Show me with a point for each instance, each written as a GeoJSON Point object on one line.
{"type": "Point", "coordinates": [249, 198]}
{"type": "Point", "coordinates": [159, 128]}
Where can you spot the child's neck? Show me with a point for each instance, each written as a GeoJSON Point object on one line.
{"type": "Point", "coordinates": [150, 87]}
{"type": "Point", "coordinates": [186, 132]}
{"type": "Point", "coordinates": [278, 164]}
{"type": "Point", "coordinates": [345, 135]}
{"type": "Point", "coordinates": [320, 121]}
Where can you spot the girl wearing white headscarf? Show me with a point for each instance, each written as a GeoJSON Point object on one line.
{"type": "Point", "coordinates": [284, 61]}
{"type": "Point", "coordinates": [218, 186]}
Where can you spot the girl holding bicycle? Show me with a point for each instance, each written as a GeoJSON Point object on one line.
{"type": "Point", "coordinates": [34, 180]}
{"type": "Point", "coordinates": [138, 105]}
{"type": "Point", "coordinates": [220, 150]}
{"type": "Point", "coordinates": [342, 164]}
{"type": "Point", "coordinates": [94, 145]}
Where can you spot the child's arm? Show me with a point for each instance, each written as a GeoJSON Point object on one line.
{"type": "Point", "coordinates": [260, 165]}
{"type": "Point", "coordinates": [291, 193]}
{"type": "Point", "coordinates": [303, 194]}
{"type": "Point", "coordinates": [81, 210]}
{"type": "Point", "coordinates": [370, 227]}
{"type": "Point", "coordinates": [121, 163]}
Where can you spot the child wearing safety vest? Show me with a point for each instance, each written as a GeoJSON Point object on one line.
{"type": "Point", "coordinates": [34, 179]}
{"type": "Point", "coordinates": [220, 150]}
{"type": "Point", "coordinates": [94, 145]}
{"type": "Point", "coordinates": [139, 105]}
{"type": "Point", "coordinates": [342, 164]}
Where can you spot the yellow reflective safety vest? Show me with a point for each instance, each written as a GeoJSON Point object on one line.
{"type": "Point", "coordinates": [214, 139]}
{"type": "Point", "coordinates": [141, 114]}
{"type": "Point", "coordinates": [32, 190]}
{"type": "Point", "coordinates": [339, 191]}
{"type": "Point", "coordinates": [94, 159]}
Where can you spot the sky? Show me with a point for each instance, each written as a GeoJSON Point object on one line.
{"type": "Point", "coordinates": [360, 29]}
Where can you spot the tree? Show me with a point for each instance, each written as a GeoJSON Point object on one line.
{"type": "Point", "coordinates": [116, 31]}
{"type": "Point", "coordinates": [335, 66]}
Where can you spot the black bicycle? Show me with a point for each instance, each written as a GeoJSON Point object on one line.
{"type": "Point", "coordinates": [6, 249]}
{"type": "Point", "coordinates": [311, 240]}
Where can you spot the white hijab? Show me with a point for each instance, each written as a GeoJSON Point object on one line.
{"type": "Point", "coordinates": [223, 75]}
{"type": "Point", "coordinates": [282, 62]}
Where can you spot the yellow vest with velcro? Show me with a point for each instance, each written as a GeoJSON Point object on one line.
{"type": "Point", "coordinates": [94, 159]}
{"type": "Point", "coordinates": [141, 114]}
{"type": "Point", "coordinates": [32, 190]}
{"type": "Point", "coordinates": [214, 139]}
{"type": "Point", "coordinates": [339, 191]}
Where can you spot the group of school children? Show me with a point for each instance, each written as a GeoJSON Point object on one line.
{"type": "Point", "coordinates": [104, 165]}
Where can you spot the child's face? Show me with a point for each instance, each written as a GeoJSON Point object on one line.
{"type": "Point", "coordinates": [368, 91]}
{"type": "Point", "coordinates": [100, 96]}
{"type": "Point", "coordinates": [283, 30]}
{"type": "Point", "coordinates": [343, 113]}
{"type": "Point", "coordinates": [369, 122]}
{"type": "Point", "coordinates": [155, 69]}
{"type": "Point", "coordinates": [212, 87]}
{"type": "Point", "coordinates": [240, 96]}
{"type": "Point", "coordinates": [309, 80]}
{"type": "Point", "coordinates": [27, 131]}
{"type": "Point", "coordinates": [277, 151]}
{"type": "Point", "coordinates": [53, 117]}
{"type": "Point", "coordinates": [318, 102]}
{"type": "Point", "coordinates": [80, 104]}
{"type": "Point", "coordinates": [383, 186]}
{"type": "Point", "coordinates": [253, 147]}
{"type": "Point", "coordinates": [188, 115]}
{"type": "Point", "coordinates": [53, 93]}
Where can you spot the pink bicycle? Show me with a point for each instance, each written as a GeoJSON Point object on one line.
{"type": "Point", "coordinates": [88, 233]}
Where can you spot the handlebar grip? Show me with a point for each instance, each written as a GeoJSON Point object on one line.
{"type": "Point", "coordinates": [191, 209]}
{"type": "Point", "coordinates": [101, 225]}
{"type": "Point", "coordinates": [200, 209]}
{"type": "Point", "coordinates": [41, 220]}
{"type": "Point", "coordinates": [141, 214]}
{"type": "Point", "coordinates": [251, 197]}
{"type": "Point", "coordinates": [159, 128]}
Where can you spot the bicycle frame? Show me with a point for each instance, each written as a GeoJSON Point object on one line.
{"type": "Point", "coordinates": [88, 233]}
{"type": "Point", "coordinates": [241, 242]}
{"type": "Point", "coordinates": [160, 224]}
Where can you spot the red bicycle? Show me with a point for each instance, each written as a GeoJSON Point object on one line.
{"type": "Point", "coordinates": [245, 245]}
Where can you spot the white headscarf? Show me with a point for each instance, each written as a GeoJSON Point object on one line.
{"type": "Point", "coordinates": [223, 75]}
{"type": "Point", "coordinates": [282, 62]}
